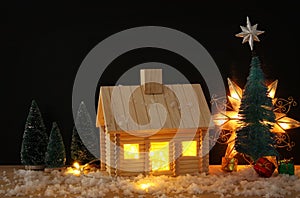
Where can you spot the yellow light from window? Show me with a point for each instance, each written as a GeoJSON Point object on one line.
{"type": "Point", "coordinates": [189, 148]}
{"type": "Point", "coordinates": [131, 151]}
{"type": "Point", "coordinates": [159, 156]}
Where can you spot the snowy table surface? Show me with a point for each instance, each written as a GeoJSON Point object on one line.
{"type": "Point", "coordinates": [17, 182]}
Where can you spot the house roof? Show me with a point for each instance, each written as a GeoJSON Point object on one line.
{"type": "Point", "coordinates": [128, 108]}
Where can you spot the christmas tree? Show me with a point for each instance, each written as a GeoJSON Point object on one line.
{"type": "Point", "coordinates": [56, 154]}
{"type": "Point", "coordinates": [254, 138]}
{"type": "Point", "coordinates": [85, 145]}
{"type": "Point", "coordinates": [256, 113]}
{"type": "Point", "coordinates": [79, 151]}
{"type": "Point", "coordinates": [35, 138]}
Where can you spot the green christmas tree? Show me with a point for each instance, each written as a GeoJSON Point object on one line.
{"type": "Point", "coordinates": [85, 145]}
{"type": "Point", "coordinates": [35, 138]}
{"type": "Point", "coordinates": [56, 154]}
{"type": "Point", "coordinates": [254, 138]}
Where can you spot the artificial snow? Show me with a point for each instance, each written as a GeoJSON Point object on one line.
{"type": "Point", "coordinates": [97, 184]}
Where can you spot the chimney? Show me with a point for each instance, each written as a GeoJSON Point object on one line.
{"type": "Point", "coordinates": [151, 81]}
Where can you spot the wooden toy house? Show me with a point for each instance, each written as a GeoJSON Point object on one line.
{"type": "Point", "coordinates": [153, 128]}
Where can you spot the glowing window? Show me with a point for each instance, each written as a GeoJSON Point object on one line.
{"type": "Point", "coordinates": [159, 156]}
{"type": "Point", "coordinates": [131, 151]}
{"type": "Point", "coordinates": [189, 148]}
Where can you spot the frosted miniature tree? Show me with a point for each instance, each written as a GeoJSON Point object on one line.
{"type": "Point", "coordinates": [254, 138]}
{"type": "Point", "coordinates": [83, 146]}
{"type": "Point", "coordinates": [56, 154]}
{"type": "Point", "coordinates": [79, 151]}
{"type": "Point", "coordinates": [35, 138]}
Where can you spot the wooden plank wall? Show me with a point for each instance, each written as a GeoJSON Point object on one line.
{"type": "Point", "coordinates": [189, 164]}
{"type": "Point", "coordinates": [204, 152]}
{"type": "Point", "coordinates": [178, 166]}
{"type": "Point", "coordinates": [111, 158]}
{"type": "Point", "coordinates": [102, 148]}
{"type": "Point", "coordinates": [117, 151]}
{"type": "Point", "coordinates": [117, 165]}
{"type": "Point", "coordinates": [132, 167]}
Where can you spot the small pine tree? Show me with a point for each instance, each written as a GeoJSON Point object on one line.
{"type": "Point", "coordinates": [79, 152]}
{"type": "Point", "coordinates": [83, 147]}
{"type": "Point", "coordinates": [35, 138]}
{"type": "Point", "coordinates": [256, 111]}
{"type": "Point", "coordinates": [56, 154]}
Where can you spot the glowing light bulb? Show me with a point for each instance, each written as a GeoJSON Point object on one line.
{"type": "Point", "coordinates": [76, 165]}
{"type": "Point", "coordinates": [145, 186]}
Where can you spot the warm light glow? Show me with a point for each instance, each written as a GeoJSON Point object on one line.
{"type": "Point", "coordinates": [220, 122]}
{"type": "Point", "coordinates": [189, 148]}
{"type": "Point", "coordinates": [229, 120]}
{"type": "Point", "coordinates": [76, 170]}
{"type": "Point", "coordinates": [76, 165]}
{"type": "Point", "coordinates": [272, 89]}
{"type": "Point", "coordinates": [235, 103]}
{"type": "Point", "coordinates": [220, 118]}
{"type": "Point", "coordinates": [159, 156]}
{"type": "Point", "coordinates": [288, 123]}
{"type": "Point", "coordinates": [235, 91]}
{"type": "Point", "coordinates": [271, 93]}
{"type": "Point", "coordinates": [230, 151]}
{"type": "Point", "coordinates": [235, 96]}
{"type": "Point", "coordinates": [284, 125]}
{"type": "Point", "coordinates": [232, 114]}
{"type": "Point", "coordinates": [131, 151]}
{"type": "Point", "coordinates": [145, 186]}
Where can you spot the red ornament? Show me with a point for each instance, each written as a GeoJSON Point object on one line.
{"type": "Point", "coordinates": [264, 167]}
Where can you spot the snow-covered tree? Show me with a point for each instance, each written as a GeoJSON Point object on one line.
{"type": "Point", "coordinates": [56, 154]}
{"type": "Point", "coordinates": [84, 139]}
{"type": "Point", "coordinates": [35, 138]}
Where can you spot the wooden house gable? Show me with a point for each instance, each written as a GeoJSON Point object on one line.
{"type": "Point", "coordinates": [128, 108]}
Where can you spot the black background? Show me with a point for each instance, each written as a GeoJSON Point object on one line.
{"type": "Point", "coordinates": [43, 45]}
